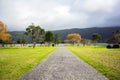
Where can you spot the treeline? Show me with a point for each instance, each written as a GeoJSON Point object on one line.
{"type": "Point", "coordinates": [75, 38]}
{"type": "Point", "coordinates": [37, 35]}
{"type": "Point", "coordinates": [105, 32]}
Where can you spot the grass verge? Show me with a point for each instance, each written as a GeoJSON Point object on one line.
{"type": "Point", "coordinates": [16, 61]}
{"type": "Point", "coordinates": [106, 61]}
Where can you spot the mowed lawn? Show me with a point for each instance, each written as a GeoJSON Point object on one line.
{"type": "Point", "coordinates": [14, 62]}
{"type": "Point", "coordinates": [106, 61]}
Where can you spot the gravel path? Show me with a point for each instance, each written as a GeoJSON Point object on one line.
{"type": "Point", "coordinates": [63, 65]}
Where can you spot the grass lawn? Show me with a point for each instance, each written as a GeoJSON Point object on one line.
{"type": "Point", "coordinates": [14, 62]}
{"type": "Point", "coordinates": [106, 61]}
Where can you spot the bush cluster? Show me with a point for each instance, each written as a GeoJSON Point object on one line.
{"type": "Point", "coordinates": [114, 46]}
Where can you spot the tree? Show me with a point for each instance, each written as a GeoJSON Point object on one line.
{"type": "Point", "coordinates": [57, 39]}
{"type": "Point", "coordinates": [35, 32]}
{"type": "Point", "coordinates": [49, 37]}
{"type": "Point", "coordinates": [96, 37]}
{"type": "Point", "coordinates": [41, 40]}
{"type": "Point", "coordinates": [4, 35]}
{"type": "Point", "coordinates": [115, 38]}
{"type": "Point", "coordinates": [73, 38]}
{"type": "Point", "coordinates": [21, 41]}
{"type": "Point", "coordinates": [85, 41]}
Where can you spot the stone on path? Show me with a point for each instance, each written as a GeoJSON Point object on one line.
{"type": "Point", "coordinates": [63, 65]}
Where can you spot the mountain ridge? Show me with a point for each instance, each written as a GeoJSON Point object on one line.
{"type": "Point", "coordinates": [105, 32]}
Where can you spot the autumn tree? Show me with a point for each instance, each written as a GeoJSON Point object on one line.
{"type": "Point", "coordinates": [73, 38]}
{"type": "Point", "coordinates": [4, 35]}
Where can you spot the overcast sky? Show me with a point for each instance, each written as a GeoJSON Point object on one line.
{"type": "Point", "coordinates": [59, 14]}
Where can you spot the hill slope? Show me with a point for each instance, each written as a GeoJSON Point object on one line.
{"type": "Point", "coordinates": [106, 33]}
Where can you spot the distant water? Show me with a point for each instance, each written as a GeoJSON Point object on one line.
{"type": "Point", "coordinates": [98, 44]}
{"type": "Point", "coordinates": [101, 44]}
{"type": "Point", "coordinates": [92, 44]}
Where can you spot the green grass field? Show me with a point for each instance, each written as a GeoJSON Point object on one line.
{"type": "Point", "coordinates": [106, 61]}
{"type": "Point", "coordinates": [14, 62]}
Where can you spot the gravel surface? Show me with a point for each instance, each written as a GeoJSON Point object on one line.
{"type": "Point", "coordinates": [62, 65]}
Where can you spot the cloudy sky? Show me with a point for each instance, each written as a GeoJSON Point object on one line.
{"type": "Point", "coordinates": [59, 14]}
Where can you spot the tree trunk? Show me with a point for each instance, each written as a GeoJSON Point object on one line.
{"type": "Point", "coordinates": [34, 44]}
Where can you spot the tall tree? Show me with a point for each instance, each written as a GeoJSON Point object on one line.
{"type": "Point", "coordinates": [96, 37]}
{"type": "Point", "coordinates": [4, 35]}
{"type": "Point", "coordinates": [21, 41]}
{"type": "Point", "coordinates": [34, 32]}
{"type": "Point", "coordinates": [115, 38]}
{"type": "Point", "coordinates": [73, 38]}
{"type": "Point", "coordinates": [49, 37]}
{"type": "Point", "coordinates": [2, 27]}
{"type": "Point", "coordinates": [85, 41]}
{"type": "Point", "coordinates": [57, 39]}
{"type": "Point", "coordinates": [41, 40]}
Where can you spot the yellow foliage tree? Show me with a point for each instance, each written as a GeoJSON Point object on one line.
{"type": "Point", "coordinates": [4, 35]}
{"type": "Point", "coordinates": [73, 38]}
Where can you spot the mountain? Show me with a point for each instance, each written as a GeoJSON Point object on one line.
{"type": "Point", "coordinates": [105, 32]}
{"type": "Point", "coordinates": [18, 35]}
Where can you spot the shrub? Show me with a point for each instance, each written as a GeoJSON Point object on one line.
{"type": "Point", "coordinates": [115, 46]}
{"type": "Point", "coordinates": [109, 46]}
{"type": "Point", "coordinates": [53, 45]}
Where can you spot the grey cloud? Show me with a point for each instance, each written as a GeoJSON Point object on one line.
{"type": "Point", "coordinates": [58, 14]}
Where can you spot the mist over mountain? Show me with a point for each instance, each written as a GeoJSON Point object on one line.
{"type": "Point", "coordinates": [105, 32]}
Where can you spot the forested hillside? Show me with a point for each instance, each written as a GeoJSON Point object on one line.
{"type": "Point", "coordinates": [106, 33]}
